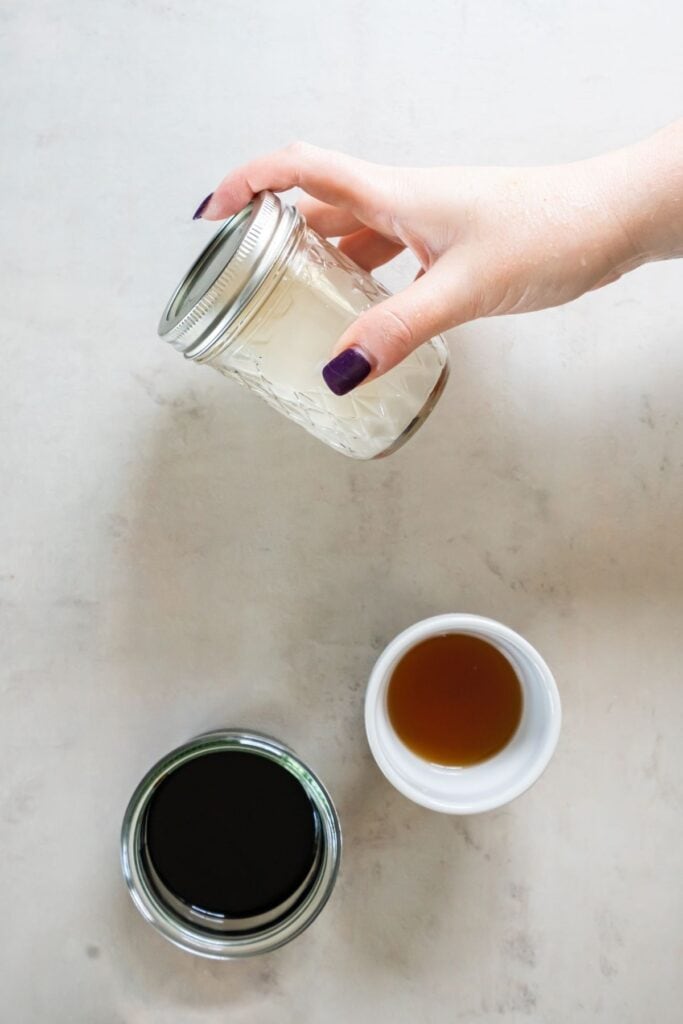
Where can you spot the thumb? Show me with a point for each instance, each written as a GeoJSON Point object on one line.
{"type": "Point", "coordinates": [385, 334]}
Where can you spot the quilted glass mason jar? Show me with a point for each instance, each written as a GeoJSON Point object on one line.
{"type": "Point", "coordinates": [265, 303]}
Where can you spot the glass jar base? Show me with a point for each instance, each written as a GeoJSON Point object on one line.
{"type": "Point", "coordinates": [422, 415]}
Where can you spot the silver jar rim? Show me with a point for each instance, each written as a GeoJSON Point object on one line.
{"type": "Point", "coordinates": [162, 915]}
{"type": "Point", "coordinates": [246, 255]}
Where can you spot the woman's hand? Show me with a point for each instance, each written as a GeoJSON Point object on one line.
{"type": "Point", "coordinates": [489, 240]}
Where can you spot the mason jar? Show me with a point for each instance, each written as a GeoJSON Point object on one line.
{"type": "Point", "coordinates": [225, 862]}
{"type": "Point", "coordinates": [265, 303]}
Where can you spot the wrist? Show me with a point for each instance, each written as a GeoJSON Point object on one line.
{"type": "Point", "coordinates": [647, 196]}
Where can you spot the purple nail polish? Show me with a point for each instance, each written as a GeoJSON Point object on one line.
{"type": "Point", "coordinates": [202, 206]}
{"type": "Point", "coordinates": [346, 371]}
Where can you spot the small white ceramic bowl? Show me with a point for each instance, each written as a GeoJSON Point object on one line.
{"type": "Point", "coordinates": [492, 783]}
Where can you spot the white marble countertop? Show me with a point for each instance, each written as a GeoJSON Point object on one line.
{"type": "Point", "coordinates": [175, 556]}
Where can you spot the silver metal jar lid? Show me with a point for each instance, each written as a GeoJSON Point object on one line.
{"type": "Point", "coordinates": [193, 932]}
{"type": "Point", "coordinates": [240, 258]}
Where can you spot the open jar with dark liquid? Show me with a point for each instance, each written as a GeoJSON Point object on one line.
{"type": "Point", "coordinates": [230, 845]}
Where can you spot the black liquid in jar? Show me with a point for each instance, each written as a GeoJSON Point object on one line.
{"type": "Point", "coordinates": [231, 833]}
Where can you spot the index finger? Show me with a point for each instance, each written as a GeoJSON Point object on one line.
{"type": "Point", "coordinates": [332, 177]}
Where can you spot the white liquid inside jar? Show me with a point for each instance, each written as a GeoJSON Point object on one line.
{"type": "Point", "coordinates": [285, 333]}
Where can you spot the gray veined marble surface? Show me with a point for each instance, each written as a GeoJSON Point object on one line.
{"type": "Point", "coordinates": [175, 556]}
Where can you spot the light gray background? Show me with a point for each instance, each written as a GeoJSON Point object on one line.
{"type": "Point", "coordinates": [175, 556]}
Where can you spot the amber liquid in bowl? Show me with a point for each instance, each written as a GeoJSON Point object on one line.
{"type": "Point", "coordinates": [454, 700]}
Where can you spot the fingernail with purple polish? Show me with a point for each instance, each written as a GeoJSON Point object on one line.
{"type": "Point", "coordinates": [202, 206]}
{"type": "Point", "coordinates": [346, 371]}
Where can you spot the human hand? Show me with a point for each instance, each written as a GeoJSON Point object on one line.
{"type": "Point", "coordinates": [489, 240]}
